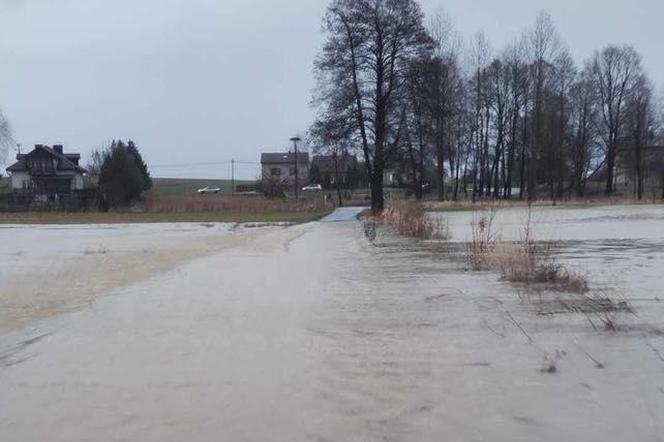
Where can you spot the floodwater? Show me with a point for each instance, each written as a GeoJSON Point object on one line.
{"type": "Point", "coordinates": [314, 333]}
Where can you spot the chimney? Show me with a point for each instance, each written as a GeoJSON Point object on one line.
{"type": "Point", "coordinates": [58, 148]}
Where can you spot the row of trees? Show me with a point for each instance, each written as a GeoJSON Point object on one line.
{"type": "Point", "coordinates": [524, 120]}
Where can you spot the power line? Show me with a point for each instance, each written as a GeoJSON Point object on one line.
{"type": "Point", "coordinates": [212, 163]}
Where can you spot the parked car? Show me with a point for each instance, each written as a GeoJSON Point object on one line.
{"type": "Point", "coordinates": [313, 188]}
{"type": "Point", "coordinates": [209, 190]}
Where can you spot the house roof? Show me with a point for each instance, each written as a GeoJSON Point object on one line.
{"type": "Point", "coordinates": [67, 161]}
{"type": "Point", "coordinates": [284, 158]}
{"type": "Point", "coordinates": [325, 163]}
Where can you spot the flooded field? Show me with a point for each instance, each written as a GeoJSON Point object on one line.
{"type": "Point", "coordinates": [315, 333]}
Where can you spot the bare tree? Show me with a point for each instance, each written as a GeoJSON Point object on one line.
{"type": "Point", "coordinates": [447, 86]}
{"type": "Point", "coordinates": [6, 138]}
{"type": "Point", "coordinates": [543, 49]}
{"type": "Point", "coordinates": [479, 57]}
{"type": "Point", "coordinates": [330, 137]}
{"type": "Point", "coordinates": [641, 127]}
{"type": "Point", "coordinates": [420, 102]}
{"type": "Point", "coordinates": [584, 117]}
{"type": "Point", "coordinates": [362, 70]}
{"type": "Point", "coordinates": [565, 73]}
{"type": "Point", "coordinates": [615, 70]}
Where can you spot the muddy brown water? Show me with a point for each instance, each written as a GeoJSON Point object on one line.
{"type": "Point", "coordinates": [314, 333]}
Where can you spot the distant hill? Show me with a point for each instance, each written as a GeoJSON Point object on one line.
{"type": "Point", "coordinates": [180, 186]}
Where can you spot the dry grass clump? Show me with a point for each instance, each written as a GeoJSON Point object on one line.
{"type": "Point", "coordinates": [528, 262]}
{"type": "Point", "coordinates": [236, 204]}
{"type": "Point", "coordinates": [410, 219]}
{"type": "Point", "coordinates": [525, 261]}
{"type": "Point", "coordinates": [483, 241]}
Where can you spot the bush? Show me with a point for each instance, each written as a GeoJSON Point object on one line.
{"type": "Point", "coordinates": [120, 180]}
{"type": "Point", "coordinates": [122, 174]}
{"type": "Point", "coordinates": [483, 241]}
{"type": "Point", "coordinates": [525, 261]}
{"type": "Point", "coordinates": [410, 219]}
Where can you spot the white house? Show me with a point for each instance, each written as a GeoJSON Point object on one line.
{"type": "Point", "coordinates": [281, 167]}
{"type": "Point", "coordinates": [47, 171]}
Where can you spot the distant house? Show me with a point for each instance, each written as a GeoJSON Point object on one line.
{"type": "Point", "coordinates": [326, 168]}
{"type": "Point", "coordinates": [47, 171]}
{"type": "Point", "coordinates": [280, 167]}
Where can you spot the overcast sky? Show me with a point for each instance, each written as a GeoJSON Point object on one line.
{"type": "Point", "coordinates": [200, 81]}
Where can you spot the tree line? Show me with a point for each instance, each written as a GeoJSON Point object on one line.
{"type": "Point", "coordinates": [524, 122]}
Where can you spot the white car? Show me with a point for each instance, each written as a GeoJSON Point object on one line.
{"type": "Point", "coordinates": [313, 188]}
{"type": "Point", "coordinates": [209, 190]}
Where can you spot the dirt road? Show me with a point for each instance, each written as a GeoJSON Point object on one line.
{"type": "Point", "coordinates": [314, 333]}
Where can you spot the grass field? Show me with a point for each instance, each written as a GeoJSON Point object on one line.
{"type": "Point", "coordinates": [182, 187]}
{"type": "Point", "coordinates": [164, 217]}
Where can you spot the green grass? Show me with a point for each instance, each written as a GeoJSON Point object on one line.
{"type": "Point", "coordinates": [152, 217]}
{"type": "Point", "coordinates": [183, 187]}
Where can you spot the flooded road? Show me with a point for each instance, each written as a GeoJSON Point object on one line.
{"type": "Point", "coordinates": [314, 333]}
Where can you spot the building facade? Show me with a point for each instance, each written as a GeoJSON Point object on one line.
{"type": "Point", "coordinates": [280, 168]}
{"type": "Point", "coordinates": [326, 169]}
{"type": "Point", "coordinates": [47, 171]}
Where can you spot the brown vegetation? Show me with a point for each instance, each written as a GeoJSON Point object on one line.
{"type": "Point", "coordinates": [409, 218]}
{"type": "Point", "coordinates": [240, 204]}
{"type": "Point", "coordinates": [525, 261]}
{"type": "Point", "coordinates": [483, 241]}
{"type": "Point", "coordinates": [529, 262]}
{"type": "Point", "coordinates": [195, 208]}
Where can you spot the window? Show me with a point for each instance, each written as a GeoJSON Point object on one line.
{"type": "Point", "coordinates": [292, 171]}
{"type": "Point", "coordinates": [275, 172]}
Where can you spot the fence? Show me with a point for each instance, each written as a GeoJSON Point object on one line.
{"type": "Point", "coordinates": [25, 201]}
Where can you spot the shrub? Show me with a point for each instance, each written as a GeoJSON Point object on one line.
{"type": "Point", "coordinates": [120, 181]}
{"type": "Point", "coordinates": [483, 241]}
{"type": "Point", "coordinates": [532, 263]}
{"type": "Point", "coordinates": [525, 261]}
{"type": "Point", "coordinates": [410, 219]}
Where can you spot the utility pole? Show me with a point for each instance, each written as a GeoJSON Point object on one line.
{"type": "Point", "coordinates": [233, 177]}
{"type": "Point", "coordinates": [297, 176]}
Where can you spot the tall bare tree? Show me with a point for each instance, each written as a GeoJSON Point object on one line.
{"type": "Point", "coordinates": [361, 75]}
{"type": "Point", "coordinates": [6, 138]}
{"type": "Point", "coordinates": [479, 57]}
{"type": "Point", "coordinates": [543, 49]}
{"type": "Point", "coordinates": [583, 127]}
{"type": "Point", "coordinates": [641, 128]}
{"type": "Point", "coordinates": [331, 137]}
{"type": "Point", "coordinates": [615, 70]}
{"type": "Point", "coordinates": [447, 88]}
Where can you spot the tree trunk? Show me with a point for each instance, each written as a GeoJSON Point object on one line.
{"type": "Point", "coordinates": [639, 172]}
{"type": "Point", "coordinates": [377, 197]}
{"type": "Point", "coordinates": [610, 166]}
{"type": "Point", "coordinates": [440, 174]}
{"type": "Point", "coordinates": [338, 181]}
{"type": "Point", "coordinates": [524, 147]}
